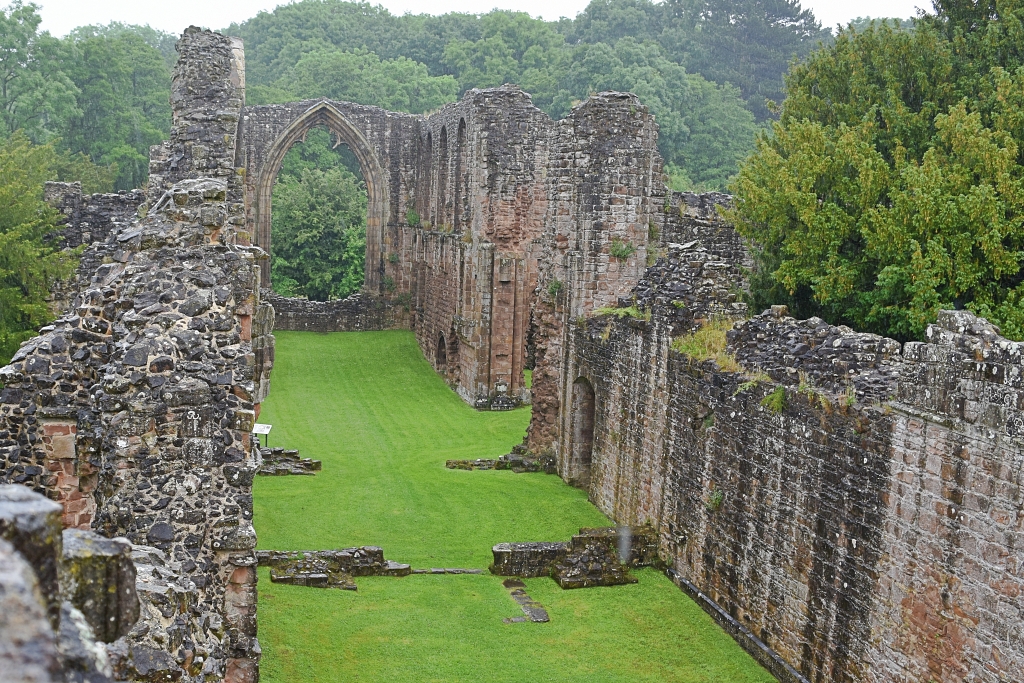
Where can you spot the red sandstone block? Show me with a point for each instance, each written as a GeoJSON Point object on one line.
{"type": "Point", "coordinates": [57, 428]}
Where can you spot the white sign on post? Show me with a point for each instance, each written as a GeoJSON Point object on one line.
{"type": "Point", "coordinates": [258, 429]}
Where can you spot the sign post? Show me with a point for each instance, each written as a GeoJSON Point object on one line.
{"type": "Point", "coordinates": [258, 429]}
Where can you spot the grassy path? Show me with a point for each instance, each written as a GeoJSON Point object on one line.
{"type": "Point", "coordinates": [383, 423]}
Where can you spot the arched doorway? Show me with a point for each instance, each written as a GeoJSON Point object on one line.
{"type": "Point", "coordinates": [318, 226]}
{"type": "Point", "coordinates": [441, 355]}
{"type": "Point", "coordinates": [328, 116]}
{"type": "Point", "coordinates": [583, 413]}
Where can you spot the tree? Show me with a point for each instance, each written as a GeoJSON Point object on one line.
{"type": "Point", "coordinates": [162, 41]}
{"type": "Point", "coordinates": [318, 226]}
{"type": "Point", "coordinates": [123, 102]}
{"type": "Point", "coordinates": [35, 95]}
{"type": "Point", "coordinates": [29, 260]}
{"type": "Point", "coordinates": [747, 43]}
{"type": "Point", "coordinates": [704, 129]}
{"type": "Point", "coordinates": [892, 185]}
{"type": "Point", "coordinates": [514, 48]}
{"type": "Point", "coordinates": [399, 84]}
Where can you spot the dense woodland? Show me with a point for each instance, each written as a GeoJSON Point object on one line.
{"type": "Point", "coordinates": [877, 170]}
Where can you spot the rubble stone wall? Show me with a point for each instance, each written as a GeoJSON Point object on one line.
{"type": "Point", "coordinates": [356, 313]}
{"type": "Point", "coordinates": [133, 410]}
{"type": "Point", "coordinates": [91, 218]}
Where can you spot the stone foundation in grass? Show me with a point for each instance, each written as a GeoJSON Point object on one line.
{"type": "Point", "coordinates": [328, 568]}
{"type": "Point", "coordinates": [280, 461]}
{"type": "Point", "coordinates": [594, 557]}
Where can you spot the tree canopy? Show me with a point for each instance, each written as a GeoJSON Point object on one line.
{"type": "Point", "coordinates": [891, 187]}
{"type": "Point", "coordinates": [29, 259]}
{"type": "Point", "coordinates": [100, 94]}
{"type": "Point", "coordinates": [318, 224]}
{"type": "Point", "coordinates": [707, 110]}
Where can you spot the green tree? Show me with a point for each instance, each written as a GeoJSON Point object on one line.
{"type": "Point", "coordinates": [318, 227]}
{"type": "Point", "coordinates": [69, 168]}
{"type": "Point", "coordinates": [892, 185]}
{"type": "Point", "coordinates": [747, 43]}
{"type": "Point", "coordinates": [29, 260]}
{"type": "Point", "coordinates": [398, 84]}
{"type": "Point", "coordinates": [123, 102]}
{"type": "Point", "coordinates": [162, 41]}
{"type": "Point", "coordinates": [35, 94]}
{"type": "Point", "coordinates": [704, 129]}
{"type": "Point", "coordinates": [513, 48]}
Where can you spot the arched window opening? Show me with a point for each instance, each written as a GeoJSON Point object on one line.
{"type": "Point", "coordinates": [461, 180]}
{"type": "Point", "coordinates": [442, 181]}
{"type": "Point", "coordinates": [441, 355]}
{"type": "Point", "coordinates": [318, 223]}
{"type": "Point", "coordinates": [583, 412]}
{"type": "Point", "coordinates": [424, 181]}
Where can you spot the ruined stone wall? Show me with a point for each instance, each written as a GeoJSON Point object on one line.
{"type": "Point", "coordinates": [133, 410]}
{"type": "Point", "coordinates": [607, 192]}
{"type": "Point", "coordinates": [462, 209]}
{"type": "Point", "coordinates": [356, 313]}
{"type": "Point", "coordinates": [856, 507]}
{"type": "Point", "coordinates": [91, 218]}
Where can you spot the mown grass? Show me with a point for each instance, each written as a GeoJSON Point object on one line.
{"type": "Point", "coordinates": [383, 423]}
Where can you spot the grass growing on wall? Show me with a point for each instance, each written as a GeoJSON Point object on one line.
{"type": "Point", "coordinates": [383, 423]}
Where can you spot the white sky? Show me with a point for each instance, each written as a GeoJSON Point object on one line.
{"type": "Point", "coordinates": [60, 16]}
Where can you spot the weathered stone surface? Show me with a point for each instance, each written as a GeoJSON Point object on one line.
{"type": "Point", "coordinates": [826, 528]}
{"type": "Point", "coordinates": [527, 560]}
{"type": "Point", "coordinates": [32, 524]}
{"type": "Point", "coordinates": [83, 658]}
{"type": "Point", "coordinates": [133, 410]}
{"type": "Point", "coordinates": [280, 461]}
{"type": "Point", "coordinates": [822, 356]}
{"type": "Point", "coordinates": [356, 313]}
{"type": "Point", "coordinates": [28, 650]}
{"type": "Point", "coordinates": [581, 562]}
{"type": "Point", "coordinates": [515, 461]}
{"type": "Point", "coordinates": [533, 610]}
{"type": "Point", "coordinates": [328, 568]}
{"type": "Point", "coordinates": [591, 563]}
{"type": "Point", "coordinates": [98, 577]}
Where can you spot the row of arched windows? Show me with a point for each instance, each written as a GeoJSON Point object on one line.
{"type": "Point", "coordinates": [437, 201]}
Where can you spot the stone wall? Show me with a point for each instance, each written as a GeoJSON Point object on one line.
{"type": "Point", "coordinates": [93, 217]}
{"type": "Point", "coordinates": [133, 410]}
{"type": "Point", "coordinates": [855, 508]}
{"type": "Point", "coordinates": [357, 313]}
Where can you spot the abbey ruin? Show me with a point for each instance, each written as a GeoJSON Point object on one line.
{"type": "Point", "coordinates": [847, 507]}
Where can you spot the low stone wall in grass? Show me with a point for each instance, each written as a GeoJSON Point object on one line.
{"type": "Point", "coordinates": [328, 568]}
{"type": "Point", "coordinates": [357, 313]}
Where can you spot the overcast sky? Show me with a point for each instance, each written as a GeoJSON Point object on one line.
{"type": "Point", "coordinates": [60, 16]}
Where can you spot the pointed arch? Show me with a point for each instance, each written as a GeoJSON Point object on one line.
{"type": "Point", "coordinates": [325, 114]}
{"type": "Point", "coordinates": [442, 179]}
{"type": "Point", "coordinates": [461, 204]}
{"type": "Point", "coordinates": [582, 444]}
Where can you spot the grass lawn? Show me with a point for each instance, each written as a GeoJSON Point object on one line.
{"type": "Point", "coordinates": [383, 423]}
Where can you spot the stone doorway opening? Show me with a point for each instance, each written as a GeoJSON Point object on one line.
{"type": "Point", "coordinates": [583, 414]}
{"type": "Point", "coordinates": [441, 355]}
{"type": "Point", "coordinates": [347, 141]}
{"type": "Point", "coordinates": [318, 225]}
